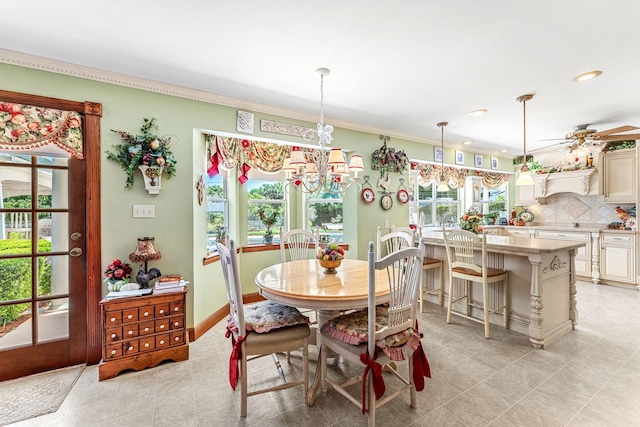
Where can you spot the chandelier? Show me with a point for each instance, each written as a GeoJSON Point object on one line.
{"type": "Point", "coordinates": [323, 170]}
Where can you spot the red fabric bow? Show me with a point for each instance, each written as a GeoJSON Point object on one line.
{"type": "Point", "coordinates": [215, 162]}
{"type": "Point", "coordinates": [376, 376]}
{"type": "Point", "coordinates": [244, 170]}
{"type": "Point", "coordinates": [236, 355]}
{"type": "Point", "coordinates": [421, 367]}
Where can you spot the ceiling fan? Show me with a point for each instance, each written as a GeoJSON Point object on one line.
{"type": "Point", "coordinates": [583, 136]}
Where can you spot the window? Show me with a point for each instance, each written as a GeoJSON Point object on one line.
{"type": "Point", "coordinates": [324, 211]}
{"type": "Point", "coordinates": [435, 205]}
{"type": "Point", "coordinates": [267, 197]}
{"type": "Point", "coordinates": [217, 210]}
{"type": "Point", "coordinates": [494, 201]}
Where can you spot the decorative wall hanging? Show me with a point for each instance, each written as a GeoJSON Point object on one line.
{"type": "Point", "coordinates": [386, 202]}
{"type": "Point", "coordinates": [459, 157]}
{"type": "Point", "coordinates": [477, 160]}
{"type": "Point", "coordinates": [24, 127]}
{"type": "Point", "coordinates": [147, 152]}
{"type": "Point", "coordinates": [283, 128]}
{"type": "Point", "coordinates": [368, 196]}
{"type": "Point", "coordinates": [387, 159]}
{"type": "Point", "coordinates": [403, 195]}
{"type": "Point", "coordinates": [245, 122]}
{"type": "Point", "coordinates": [200, 186]}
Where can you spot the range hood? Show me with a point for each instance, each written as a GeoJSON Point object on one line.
{"type": "Point", "coordinates": [577, 182]}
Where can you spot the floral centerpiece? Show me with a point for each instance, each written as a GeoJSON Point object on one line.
{"type": "Point", "coordinates": [330, 257]}
{"type": "Point", "coordinates": [268, 221]}
{"type": "Point", "coordinates": [117, 274]}
{"type": "Point", "coordinates": [470, 221]}
{"type": "Point", "coordinates": [147, 149]}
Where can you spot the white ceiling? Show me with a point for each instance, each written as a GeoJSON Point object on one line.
{"type": "Point", "coordinates": [400, 66]}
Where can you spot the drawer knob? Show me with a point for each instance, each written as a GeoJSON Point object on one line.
{"type": "Point", "coordinates": [113, 352]}
{"type": "Point", "coordinates": [130, 316]}
{"type": "Point", "coordinates": [146, 313]}
{"type": "Point", "coordinates": [113, 319]}
{"type": "Point", "coordinates": [176, 309]}
{"type": "Point", "coordinates": [146, 329]}
{"type": "Point", "coordinates": [177, 339]}
{"type": "Point", "coordinates": [161, 341]}
{"type": "Point", "coordinates": [161, 326]}
{"type": "Point", "coordinates": [161, 311]}
{"type": "Point", "coordinates": [130, 348]}
{"type": "Point", "coordinates": [146, 344]}
{"type": "Point", "coordinates": [130, 332]}
{"type": "Point", "coordinates": [176, 323]}
{"type": "Point", "coordinates": [113, 335]}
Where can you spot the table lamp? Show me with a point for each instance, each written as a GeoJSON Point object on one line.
{"type": "Point", "coordinates": [145, 251]}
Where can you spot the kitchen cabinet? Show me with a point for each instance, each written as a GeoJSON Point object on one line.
{"type": "Point", "coordinates": [583, 254]}
{"type": "Point", "coordinates": [619, 182]}
{"type": "Point", "coordinates": [617, 257]}
{"type": "Point", "coordinates": [523, 233]}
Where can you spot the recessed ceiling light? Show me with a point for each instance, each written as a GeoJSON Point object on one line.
{"type": "Point", "coordinates": [467, 142]}
{"type": "Point", "coordinates": [478, 112]}
{"type": "Point", "coordinates": [587, 76]}
{"type": "Point", "coordinates": [504, 150]}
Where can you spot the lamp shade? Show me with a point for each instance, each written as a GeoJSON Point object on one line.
{"type": "Point", "coordinates": [356, 163]}
{"type": "Point", "coordinates": [336, 157]}
{"type": "Point", "coordinates": [311, 169]}
{"type": "Point", "coordinates": [525, 177]}
{"type": "Point", "coordinates": [145, 251]}
{"type": "Point", "coordinates": [442, 186]}
{"type": "Point", "coordinates": [297, 157]}
{"type": "Point", "coordinates": [286, 165]}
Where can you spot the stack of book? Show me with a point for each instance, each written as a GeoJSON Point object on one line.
{"type": "Point", "coordinates": [169, 283]}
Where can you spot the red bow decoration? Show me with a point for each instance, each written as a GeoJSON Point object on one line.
{"type": "Point", "coordinates": [236, 355]}
{"type": "Point", "coordinates": [421, 367]}
{"type": "Point", "coordinates": [376, 376]}
{"type": "Point", "coordinates": [215, 162]}
{"type": "Point", "coordinates": [244, 170]}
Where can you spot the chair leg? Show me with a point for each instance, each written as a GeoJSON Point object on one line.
{"type": "Point", "coordinates": [450, 302]}
{"type": "Point", "coordinates": [441, 285]}
{"type": "Point", "coordinates": [422, 286]}
{"type": "Point", "coordinates": [305, 367]}
{"type": "Point", "coordinates": [485, 308]}
{"type": "Point", "coordinates": [371, 397]}
{"type": "Point", "coordinates": [243, 385]}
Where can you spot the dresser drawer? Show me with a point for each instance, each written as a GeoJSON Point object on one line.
{"type": "Point", "coordinates": [176, 307]}
{"type": "Point", "coordinates": [146, 328]}
{"type": "Point", "coordinates": [130, 315]}
{"type": "Point", "coordinates": [177, 337]}
{"type": "Point", "coordinates": [162, 340]}
{"type": "Point", "coordinates": [162, 325]}
{"type": "Point", "coordinates": [130, 347]}
{"type": "Point", "coordinates": [146, 312]}
{"type": "Point", "coordinates": [113, 334]}
{"type": "Point", "coordinates": [176, 322]}
{"type": "Point", "coordinates": [162, 310]}
{"type": "Point", "coordinates": [148, 343]}
{"type": "Point", "coordinates": [113, 318]}
{"type": "Point", "coordinates": [130, 331]}
{"type": "Point", "coordinates": [113, 350]}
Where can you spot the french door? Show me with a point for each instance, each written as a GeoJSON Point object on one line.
{"type": "Point", "coordinates": [49, 259]}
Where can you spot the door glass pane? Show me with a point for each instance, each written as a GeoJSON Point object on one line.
{"type": "Point", "coordinates": [47, 178]}
{"type": "Point", "coordinates": [53, 278]}
{"type": "Point", "coordinates": [15, 279]}
{"type": "Point", "coordinates": [53, 227]}
{"type": "Point", "coordinates": [53, 319]}
{"type": "Point", "coordinates": [17, 226]}
{"type": "Point", "coordinates": [16, 184]}
{"type": "Point", "coordinates": [15, 325]}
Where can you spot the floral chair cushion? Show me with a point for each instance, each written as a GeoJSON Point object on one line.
{"type": "Point", "coordinates": [268, 315]}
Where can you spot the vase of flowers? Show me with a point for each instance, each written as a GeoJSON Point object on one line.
{"type": "Point", "coordinates": [470, 221]}
{"type": "Point", "coordinates": [147, 152]}
{"type": "Point", "coordinates": [117, 274]}
{"type": "Point", "coordinates": [268, 221]}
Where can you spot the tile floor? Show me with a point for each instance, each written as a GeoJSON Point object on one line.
{"type": "Point", "coordinates": [591, 377]}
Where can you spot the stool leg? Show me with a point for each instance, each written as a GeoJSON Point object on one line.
{"type": "Point", "coordinates": [485, 308]}
{"type": "Point", "coordinates": [450, 302]}
{"type": "Point", "coordinates": [440, 285]}
{"type": "Point", "coordinates": [505, 292]}
{"type": "Point", "coordinates": [467, 287]}
{"type": "Point", "coordinates": [422, 287]}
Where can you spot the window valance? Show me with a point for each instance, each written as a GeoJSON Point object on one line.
{"type": "Point", "coordinates": [24, 127]}
{"type": "Point", "coordinates": [427, 173]}
{"type": "Point", "coordinates": [246, 154]}
{"type": "Point", "coordinates": [493, 180]}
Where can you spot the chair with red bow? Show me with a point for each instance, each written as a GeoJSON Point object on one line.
{"type": "Point", "coordinates": [382, 334]}
{"type": "Point", "coordinates": [258, 330]}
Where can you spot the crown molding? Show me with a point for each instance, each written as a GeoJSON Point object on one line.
{"type": "Point", "coordinates": [66, 68]}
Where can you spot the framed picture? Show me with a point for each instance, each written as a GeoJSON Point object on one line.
{"type": "Point", "coordinates": [437, 154]}
{"type": "Point", "coordinates": [477, 160]}
{"type": "Point", "coordinates": [494, 163]}
{"type": "Point", "coordinates": [459, 157]}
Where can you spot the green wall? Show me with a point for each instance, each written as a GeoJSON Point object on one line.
{"type": "Point", "coordinates": [179, 224]}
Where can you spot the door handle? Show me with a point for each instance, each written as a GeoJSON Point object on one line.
{"type": "Point", "coordinates": [75, 252]}
{"type": "Point", "coordinates": [76, 236]}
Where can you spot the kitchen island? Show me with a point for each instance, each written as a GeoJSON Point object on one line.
{"type": "Point", "coordinates": [542, 282]}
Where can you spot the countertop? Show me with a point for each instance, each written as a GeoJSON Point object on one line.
{"type": "Point", "coordinates": [591, 228]}
{"type": "Point", "coordinates": [513, 245]}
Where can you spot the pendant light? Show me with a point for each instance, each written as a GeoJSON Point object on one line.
{"type": "Point", "coordinates": [442, 184]}
{"type": "Point", "coordinates": [525, 175]}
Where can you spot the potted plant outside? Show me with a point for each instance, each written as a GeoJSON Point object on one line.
{"type": "Point", "coordinates": [268, 221]}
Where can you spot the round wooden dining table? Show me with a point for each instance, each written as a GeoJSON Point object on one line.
{"type": "Point", "coordinates": [304, 284]}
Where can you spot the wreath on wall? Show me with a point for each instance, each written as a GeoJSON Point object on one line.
{"type": "Point", "coordinates": [387, 159]}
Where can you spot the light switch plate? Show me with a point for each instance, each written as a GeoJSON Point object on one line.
{"type": "Point", "coordinates": [144, 211]}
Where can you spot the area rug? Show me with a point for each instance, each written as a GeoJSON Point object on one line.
{"type": "Point", "coordinates": [36, 395]}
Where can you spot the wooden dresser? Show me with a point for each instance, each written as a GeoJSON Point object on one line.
{"type": "Point", "coordinates": [140, 332]}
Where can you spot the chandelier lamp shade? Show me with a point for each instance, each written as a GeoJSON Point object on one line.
{"type": "Point", "coordinates": [323, 170]}
{"type": "Point", "coordinates": [525, 175]}
{"type": "Point", "coordinates": [442, 183]}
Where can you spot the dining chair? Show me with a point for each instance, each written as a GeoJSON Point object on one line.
{"type": "Point", "coordinates": [392, 242]}
{"type": "Point", "coordinates": [384, 335]}
{"type": "Point", "coordinates": [460, 247]}
{"type": "Point", "coordinates": [258, 330]}
{"type": "Point", "coordinates": [297, 243]}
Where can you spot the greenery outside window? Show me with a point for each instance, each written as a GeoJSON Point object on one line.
{"type": "Point", "coordinates": [269, 197]}
{"type": "Point", "coordinates": [324, 211]}
{"type": "Point", "coordinates": [217, 210]}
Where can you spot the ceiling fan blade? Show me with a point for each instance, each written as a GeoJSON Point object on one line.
{"type": "Point", "coordinates": [556, 139]}
{"type": "Point", "coordinates": [619, 137]}
{"type": "Point", "coordinates": [615, 130]}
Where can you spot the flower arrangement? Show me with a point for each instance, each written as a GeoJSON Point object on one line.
{"type": "Point", "coordinates": [388, 159]}
{"type": "Point", "coordinates": [146, 149]}
{"type": "Point", "coordinates": [220, 234]}
{"type": "Point", "coordinates": [117, 274]}
{"type": "Point", "coordinates": [470, 221]}
{"type": "Point", "coordinates": [268, 221]}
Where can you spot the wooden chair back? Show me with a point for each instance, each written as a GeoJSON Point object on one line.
{"type": "Point", "coordinates": [392, 242]}
{"type": "Point", "coordinates": [229, 263]}
{"type": "Point", "coordinates": [298, 244]}
{"type": "Point", "coordinates": [460, 245]}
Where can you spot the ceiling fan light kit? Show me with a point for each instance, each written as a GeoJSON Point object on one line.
{"type": "Point", "coordinates": [587, 76]}
{"type": "Point", "coordinates": [525, 175]}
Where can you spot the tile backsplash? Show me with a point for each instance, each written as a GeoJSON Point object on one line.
{"type": "Point", "coordinates": [569, 208]}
